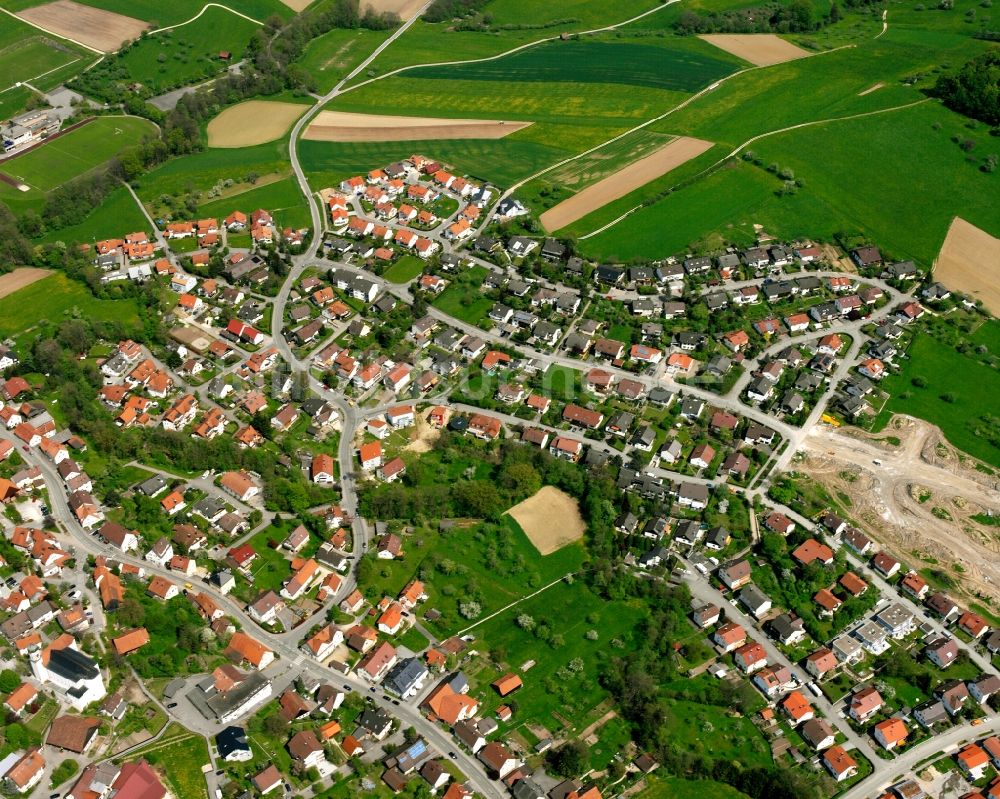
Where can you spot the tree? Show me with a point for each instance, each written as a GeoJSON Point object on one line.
{"type": "Point", "coordinates": [130, 613]}
{"type": "Point", "coordinates": [275, 726]}
{"type": "Point", "coordinates": [525, 622]}
{"type": "Point", "coordinates": [470, 609]}
{"type": "Point", "coordinates": [568, 760]}
{"type": "Point", "coordinates": [523, 478]}
{"type": "Point", "coordinates": [9, 680]}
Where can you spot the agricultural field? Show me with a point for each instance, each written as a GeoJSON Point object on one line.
{"type": "Point", "coordinates": [683, 66]}
{"type": "Point", "coordinates": [55, 297]}
{"type": "Point", "coordinates": [331, 57]}
{"type": "Point", "coordinates": [159, 14]}
{"type": "Point", "coordinates": [69, 156]}
{"type": "Point", "coordinates": [956, 391]}
{"type": "Point", "coordinates": [94, 28]}
{"type": "Point", "coordinates": [845, 167]}
{"type": "Point", "coordinates": [550, 518]}
{"type": "Point", "coordinates": [187, 54]}
{"type": "Point", "coordinates": [253, 122]}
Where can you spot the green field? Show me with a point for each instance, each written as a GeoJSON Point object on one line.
{"type": "Point", "coordinates": [678, 788]}
{"type": "Point", "coordinates": [160, 14]}
{"type": "Point", "coordinates": [685, 65]}
{"type": "Point", "coordinates": [569, 611]}
{"type": "Point", "coordinates": [178, 756]}
{"type": "Point", "coordinates": [117, 215]}
{"type": "Point", "coordinates": [464, 301]}
{"type": "Point", "coordinates": [281, 198]}
{"type": "Point", "coordinates": [71, 155]}
{"type": "Point", "coordinates": [55, 297]}
{"type": "Point", "coordinates": [199, 172]}
{"type": "Point", "coordinates": [847, 168]}
{"type": "Point", "coordinates": [514, 23]}
{"type": "Point", "coordinates": [189, 53]}
{"type": "Point", "coordinates": [405, 269]}
{"type": "Point", "coordinates": [971, 386]}
{"type": "Point", "coordinates": [26, 54]}
{"type": "Point", "coordinates": [330, 57]}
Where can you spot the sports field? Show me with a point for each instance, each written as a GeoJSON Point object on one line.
{"type": "Point", "coordinates": [74, 153]}
{"type": "Point", "coordinates": [28, 54]}
{"type": "Point", "coordinates": [346, 127]}
{"type": "Point", "coordinates": [550, 518]}
{"type": "Point", "coordinates": [189, 53]}
{"type": "Point", "coordinates": [970, 262]}
{"type": "Point", "coordinates": [101, 30]}
{"type": "Point", "coordinates": [252, 122]}
{"type": "Point", "coordinates": [625, 180]}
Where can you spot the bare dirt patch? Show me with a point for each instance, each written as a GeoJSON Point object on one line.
{"type": "Point", "coordinates": [344, 127]}
{"type": "Point", "coordinates": [19, 278]}
{"type": "Point", "coordinates": [631, 177]}
{"type": "Point", "coordinates": [550, 518]}
{"type": "Point", "coordinates": [969, 262]}
{"type": "Point", "coordinates": [919, 502]}
{"type": "Point", "coordinates": [297, 5]}
{"type": "Point", "coordinates": [404, 9]}
{"type": "Point", "coordinates": [871, 89]}
{"type": "Point", "coordinates": [760, 49]}
{"type": "Point", "coordinates": [102, 30]}
{"type": "Point", "coordinates": [253, 122]}
{"type": "Point", "coordinates": [424, 436]}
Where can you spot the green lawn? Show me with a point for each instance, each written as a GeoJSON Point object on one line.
{"type": "Point", "coordinates": [117, 215]}
{"type": "Point", "coordinates": [189, 53]}
{"type": "Point", "coordinates": [464, 301]}
{"type": "Point", "coordinates": [971, 386]}
{"type": "Point", "coordinates": [71, 155]}
{"type": "Point", "coordinates": [405, 269]}
{"type": "Point", "coordinates": [330, 57]}
{"type": "Point", "coordinates": [678, 788]}
{"type": "Point", "coordinates": [271, 568]}
{"type": "Point", "coordinates": [179, 757]}
{"type": "Point", "coordinates": [55, 297]}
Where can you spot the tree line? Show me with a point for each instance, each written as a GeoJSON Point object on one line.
{"type": "Point", "coordinates": [975, 89]}
{"type": "Point", "coordinates": [795, 17]}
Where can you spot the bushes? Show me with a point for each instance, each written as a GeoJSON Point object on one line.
{"type": "Point", "coordinates": [975, 89]}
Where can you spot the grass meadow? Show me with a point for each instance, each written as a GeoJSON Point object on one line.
{"type": "Point", "coordinates": [179, 756]}
{"type": "Point", "coordinates": [405, 269]}
{"type": "Point", "coordinates": [189, 53]}
{"type": "Point", "coordinates": [26, 53]}
{"type": "Point", "coordinates": [330, 57]}
{"type": "Point", "coordinates": [117, 215]}
{"type": "Point", "coordinates": [464, 301]}
{"type": "Point", "coordinates": [55, 297]}
{"type": "Point", "coordinates": [281, 198]}
{"type": "Point", "coordinates": [958, 391]}
{"type": "Point", "coordinates": [160, 14]}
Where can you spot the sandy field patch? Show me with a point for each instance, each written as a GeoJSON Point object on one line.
{"type": "Point", "coordinates": [623, 181]}
{"type": "Point", "coordinates": [760, 49]}
{"type": "Point", "coordinates": [344, 127]}
{"type": "Point", "coordinates": [404, 9]}
{"type": "Point", "coordinates": [102, 30]}
{"type": "Point", "coordinates": [253, 122]}
{"type": "Point", "coordinates": [870, 89]}
{"type": "Point", "coordinates": [424, 436]}
{"type": "Point", "coordinates": [20, 278]}
{"type": "Point", "coordinates": [550, 518]}
{"type": "Point", "coordinates": [969, 262]}
{"type": "Point", "coordinates": [919, 503]}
